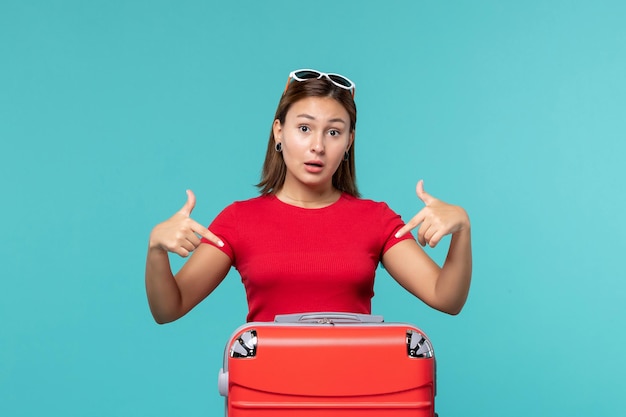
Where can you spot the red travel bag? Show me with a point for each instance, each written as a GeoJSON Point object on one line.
{"type": "Point", "coordinates": [328, 364]}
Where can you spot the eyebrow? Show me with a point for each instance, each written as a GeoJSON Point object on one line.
{"type": "Point", "coordinates": [335, 120]}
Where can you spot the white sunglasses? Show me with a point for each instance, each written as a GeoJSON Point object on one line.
{"type": "Point", "coordinates": [311, 74]}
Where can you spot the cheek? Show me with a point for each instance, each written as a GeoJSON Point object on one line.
{"type": "Point", "coordinates": [292, 151]}
{"type": "Point", "coordinates": [339, 147]}
{"type": "Point", "coordinates": [335, 158]}
{"type": "Point", "coordinates": [294, 145]}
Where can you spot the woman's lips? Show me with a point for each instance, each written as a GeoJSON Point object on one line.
{"type": "Point", "coordinates": [313, 166]}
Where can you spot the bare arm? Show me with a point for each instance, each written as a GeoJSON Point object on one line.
{"type": "Point", "coordinates": [444, 288]}
{"type": "Point", "coordinates": [171, 297]}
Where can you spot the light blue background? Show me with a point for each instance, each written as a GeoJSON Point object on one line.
{"type": "Point", "coordinates": [109, 110]}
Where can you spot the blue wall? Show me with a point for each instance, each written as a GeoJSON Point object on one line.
{"type": "Point", "coordinates": [109, 110]}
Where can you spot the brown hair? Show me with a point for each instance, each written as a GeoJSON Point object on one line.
{"type": "Point", "coordinates": [274, 169]}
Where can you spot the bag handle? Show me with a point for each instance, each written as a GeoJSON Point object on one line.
{"type": "Point", "coordinates": [328, 318]}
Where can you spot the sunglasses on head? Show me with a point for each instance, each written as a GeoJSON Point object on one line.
{"type": "Point", "coordinates": [310, 74]}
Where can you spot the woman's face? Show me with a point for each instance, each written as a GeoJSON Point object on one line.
{"type": "Point", "coordinates": [315, 136]}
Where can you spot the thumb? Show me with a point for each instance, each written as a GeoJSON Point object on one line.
{"type": "Point", "coordinates": [189, 205]}
{"type": "Point", "coordinates": [423, 195]}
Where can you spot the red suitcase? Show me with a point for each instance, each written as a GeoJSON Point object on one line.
{"type": "Point", "coordinates": [328, 364]}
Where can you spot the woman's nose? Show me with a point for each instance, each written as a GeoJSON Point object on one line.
{"type": "Point", "coordinates": [318, 144]}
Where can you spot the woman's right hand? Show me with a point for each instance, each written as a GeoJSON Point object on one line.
{"type": "Point", "coordinates": [179, 233]}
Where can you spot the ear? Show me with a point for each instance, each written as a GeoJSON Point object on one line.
{"type": "Point", "coordinates": [350, 140]}
{"type": "Point", "coordinates": [277, 129]}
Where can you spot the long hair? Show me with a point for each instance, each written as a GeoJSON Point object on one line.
{"type": "Point", "coordinates": [274, 169]}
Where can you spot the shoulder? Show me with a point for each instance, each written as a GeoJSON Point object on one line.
{"type": "Point", "coordinates": [365, 204]}
{"type": "Point", "coordinates": [251, 204]}
{"type": "Point", "coordinates": [243, 209]}
{"type": "Point", "coordinates": [368, 210]}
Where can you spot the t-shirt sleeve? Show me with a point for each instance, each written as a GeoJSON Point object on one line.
{"type": "Point", "coordinates": [390, 224]}
{"type": "Point", "coordinates": [224, 227]}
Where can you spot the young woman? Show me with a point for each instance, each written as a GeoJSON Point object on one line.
{"type": "Point", "coordinates": [308, 242]}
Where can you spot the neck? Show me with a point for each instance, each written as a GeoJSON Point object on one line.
{"type": "Point", "coordinates": [310, 198]}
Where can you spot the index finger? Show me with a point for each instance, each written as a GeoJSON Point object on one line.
{"type": "Point", "coordinates": [412, 224]}
{"type": "Point", "coordinates": [206, 233]}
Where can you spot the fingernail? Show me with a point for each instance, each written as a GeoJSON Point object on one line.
{"type": "Point", "coordinates": [397, 235]}
{"type": "Point", "coordinates": [220, 243]}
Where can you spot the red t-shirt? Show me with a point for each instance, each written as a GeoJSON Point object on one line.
{"type": "Point", "coordinates": [295, 260]}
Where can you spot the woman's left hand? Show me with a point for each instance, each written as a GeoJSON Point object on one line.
{"type": "Point", "coordinates": [436, 220]}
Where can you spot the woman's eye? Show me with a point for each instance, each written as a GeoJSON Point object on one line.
{"type": "Point", "coordinates": [334, 132]}
{"type": "Point", "coordinates": [304, 128]}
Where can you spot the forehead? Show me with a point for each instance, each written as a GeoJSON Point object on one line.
{"type": "Point", "coordinates": [320, 108]}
